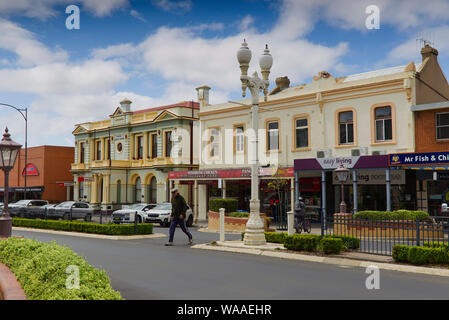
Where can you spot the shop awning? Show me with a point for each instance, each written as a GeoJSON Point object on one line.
{"type": "Point", "coordinates": [360, 162]}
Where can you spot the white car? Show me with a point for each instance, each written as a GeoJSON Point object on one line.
{"type": "Point", "coordinates": [161, 214]}
{"type": "Point", "coordinates": [126, 215]}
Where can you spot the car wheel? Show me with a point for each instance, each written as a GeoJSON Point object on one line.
{"type": "Point", "coordinates": [190, 221]}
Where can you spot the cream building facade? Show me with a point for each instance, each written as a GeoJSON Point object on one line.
{"type": "Point", "coordinates": [357, 115]}
{"type": "Point", "coordinates": [126, 158]}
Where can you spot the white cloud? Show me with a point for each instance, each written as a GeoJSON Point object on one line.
{"type": "Point", "coordinates": [137, 15]}
{"type": "Point", "coordinates": [44, 9]}
{"type": "Point", "coordinates": [173, 6]}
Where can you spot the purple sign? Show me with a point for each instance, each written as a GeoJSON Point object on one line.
{"type": "Point", "coordinates": [362, 162]}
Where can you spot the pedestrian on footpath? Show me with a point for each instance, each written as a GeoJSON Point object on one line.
{"type": "Point", "coordinates": [178, 214]}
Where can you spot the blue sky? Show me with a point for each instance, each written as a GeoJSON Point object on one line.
{"type": "Point", "coordinates": [156, 52]}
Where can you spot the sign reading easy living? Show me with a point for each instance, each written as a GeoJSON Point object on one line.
{"type": "Point", "coordinates": [404, 159]}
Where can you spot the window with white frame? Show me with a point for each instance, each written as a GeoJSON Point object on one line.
{"type": "Point", "coordinates": [346, 127]}
{"type": "Point", "coordinates": [383, 122]}
{"type": "Point", "coordinates": [214, 142]}
{"type": "Point", "coordinates": [273, 135]}
{"type": "Point", "coordinates": [301, 133]}
{"type": "Point", "coordinates": [239, 139]}
{"type": "Point", "coordinates": [442, 125]}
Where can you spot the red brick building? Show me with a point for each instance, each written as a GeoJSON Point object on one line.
{"type": "Point", "coordinates": [48, 175]}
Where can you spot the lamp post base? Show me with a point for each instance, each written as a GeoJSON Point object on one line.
{"type": "Point", "coordinates": [254, 233]}
{"type": "Point", "coordinates": [5, 227]}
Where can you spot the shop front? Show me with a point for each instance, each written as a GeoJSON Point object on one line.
{"type": "Point", "coordinates": [370, 185]}
{"type": "Point", "coordinates": [274, 184]}
{"type": "Point", "coordinates": [431, 177]}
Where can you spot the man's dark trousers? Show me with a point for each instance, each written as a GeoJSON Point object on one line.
{"type": "Point", "coordinates": [182, 224]}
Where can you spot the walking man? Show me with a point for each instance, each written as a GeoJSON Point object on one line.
{"type": "Point", "coordinates": [178, 214]}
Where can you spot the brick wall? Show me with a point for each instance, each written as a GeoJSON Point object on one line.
{"type": "Point", "coordinates": [425, 132]}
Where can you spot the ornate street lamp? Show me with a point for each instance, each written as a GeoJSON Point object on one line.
{"type": "Point", "coordinates": [254, 233]}
{"type": "Point", "coordinates": [8, 155]}
{"type": "Point", "coordinates": [342, 175]}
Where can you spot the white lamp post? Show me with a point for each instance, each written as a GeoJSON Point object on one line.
{"type": "Point", "coordinates": [254, 233]}
{"type": "Point", "coordinates": [8, 155]}
{"type": "Point", "coordinates": [342, 175]}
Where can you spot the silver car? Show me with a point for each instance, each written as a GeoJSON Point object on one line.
{"type": "Point", "coordinates": [26, 208]}
{"type": "Point", "coordinates": [161, 214]}
{"type": "Point", "coordinates": [71, 210]}
{"type": "Point", "coordinates": [126, 215]}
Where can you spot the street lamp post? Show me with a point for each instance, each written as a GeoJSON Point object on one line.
{"type": "Point", "coordinates": [25, 117]}
{"type": "Point", "coordinates": [254, 233]}
{"type": "Point", "coordinates": [8, 155]}
{"type": "Point", "coordinates": [342, 175]}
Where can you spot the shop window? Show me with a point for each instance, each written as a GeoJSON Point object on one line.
{"type": "Point", "coordinates": [346, 127]}
{"type": "Point", "coordinates": [301, 133]}
{"type": "Point", "coordinates": [442, 125]}
{"type": "Point", "coordinates": [108, 149]}
{"type": "Point", "coordinates": [273, 136]}
{"type": "Point", "coordinates": [383, 124]}
{"type": "Point", "coordinates": [153, 190]}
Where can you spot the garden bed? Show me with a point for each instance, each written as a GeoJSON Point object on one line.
{"type": "Point", "coordinates": [45, 272]}
{"type": "Point", "coordinates": [85, 227]}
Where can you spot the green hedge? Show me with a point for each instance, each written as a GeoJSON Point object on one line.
{"type": "Point", "coordinates": [230, 205]}
{"type": "Point", "coordinates": [421, 255]}
{"type": "Point", "coordinates": [86, 227]}
{"type": "Point", "coordinates": [392, 215]}
{"type": "Point", "coordinates": [238, 214]}
{"type": "Point", "coordinates": [331, 245]}
{"type": "Point", "coordinates": [348, 241]}
{"type": "Point", "coordinates": [41, 268]}
{"type": "Point", "coordinates": [302, 242]}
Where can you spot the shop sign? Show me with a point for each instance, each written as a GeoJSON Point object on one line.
{"type": "Point", "coordinates": [228, 173]}
{"type": "Point", "coordinates": [373, 177]}
{"type": "Point", "coordinates": [432, 158]}
{"type": "Point", "coordinates": [30, 170]}
{"type": "Point", "coordinates": [86, 179]}
{"type": "Point", "coordinates": [309, 184]}
{"type": "Point", "coordinates": [334, 163]}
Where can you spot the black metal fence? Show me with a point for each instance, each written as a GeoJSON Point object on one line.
{"type": "Point", "coordinates": [380, 236]}
{"type": "Point", "coordinates": [280, 216]}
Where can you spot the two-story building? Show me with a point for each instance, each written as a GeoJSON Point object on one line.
{"type": "Point", "coordinates": [367, 114]}
{"type": "Point", "coordinates": [126, 158]}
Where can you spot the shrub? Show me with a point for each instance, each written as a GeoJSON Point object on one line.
{"type": "Point", "coordinates": [421, 255]}
{"type": "Point", "coordinates": [230, 205]}
{"type": "Point", "coordinates": [436, 245]}
{"type": "Point", "coordinates": [392, 215]}
{"type": "Point", "coordinates": [238, 214]}
{"type": "Point", "coordinates": [275, 237]}
{"type": "Point", "coordinates": [400, 253]}
{"type": "Point", "coordinates": [86, 227]}
{"type": "Point", "coordinates": [331, 245]}
{"type": "Point", "coordinates": [41, 268]}
{"type": "Point", "coordinates": [302, 242]}
{"type": "Point", "coordinates": [348, 241]}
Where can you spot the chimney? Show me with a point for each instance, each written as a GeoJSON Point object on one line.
{"type": "Point", "coordinates": [203, 95]}
{"type": "Point", "coordinates": [281, 84]}
{"type": "Point", "coordinates": [126, 105]}
{"type": "Point", "coordinates": [429, 52]}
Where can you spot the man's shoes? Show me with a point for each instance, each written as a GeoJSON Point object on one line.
{"type": "Point", "coordinates": [191, 241]}
{"type": "Point", "coordinates": [169, 244]}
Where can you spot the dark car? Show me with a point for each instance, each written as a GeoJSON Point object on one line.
{"type": "Point", "coordinates": [26, 208]}
{"type": "Point", "coordinates": [71, 210]}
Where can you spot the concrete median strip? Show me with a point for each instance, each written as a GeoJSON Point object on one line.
{"type": "Point", "coordinates": [274, 250]}
{"type": "Point", "coordinates": [91, 235]}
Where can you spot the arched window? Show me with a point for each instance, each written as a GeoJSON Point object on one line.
{"type": "Point", "coordinates": [138, 191]}
{"type": "Point", "coordinates": [119, 191]}
{"type": "Point", "coordinates": [153, 190]}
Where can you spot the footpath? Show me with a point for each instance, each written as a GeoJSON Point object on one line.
{"type": "Point", "coordinates": [345, 259]}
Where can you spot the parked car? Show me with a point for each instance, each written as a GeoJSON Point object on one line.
{"type": "Point", "coordinates": [161, 214]}
{"type": "Point", "coordinates": [126, 215]}
{"type": "Point", "coordinates": [26, 208]}
{"type": "Point", "coordinates": [77, 210]}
